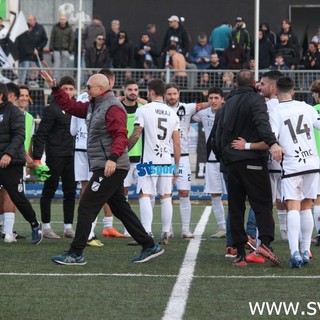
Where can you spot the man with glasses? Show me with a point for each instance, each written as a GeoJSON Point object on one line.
{"type": "Point", "coordinates": [97, 55]}
{"type": "Point", "coordinates": [109, 161]}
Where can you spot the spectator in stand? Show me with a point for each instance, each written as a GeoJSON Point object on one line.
{"type": "Point", "coordinates": [112, 36]}
{"type": "Point", "coordinates": [204, 81]}
{"type": "Point", "coordinates": [38, 35]}
{"type": "Point", "coordinates": [201, 52]}
{"type": "Point", "coordinates": [228, 80]}
{"type": "Point", "coordinates": [178, 63]}
{"type": "Point", "coordinates": [311, 60]}
{"type": "Point", "coordinates": [234, 56]}
{"type": "Point", "coordinates": [289, 51]}
{"type": "Point", "coordinates": [90, 33]}
{"type": "Point", "coordinates": [176, 34]}
{"type": "Point", "coordinates": [97, 56]}
{"type": "Point", "coordinates": [266, 51]}
{"type": "Point", "coordinates": [122, 52]}
{"type": "Point", "coordinates": [279, 63]}
{"type": "Point", "coordinates": [26, 55]}
{"type": "Point", "coordinates": [241, 36]}
{"type": "Point", "coordinates": [61, 45]}
{"type": "Point", "coordinates": [220, 38]}
{"type": "Point", "coordinates": [146, 51]}
{"type": "Point", "coordinates": [287, 28]}
{"type": "Point", "coordinates": [268, 33]}
{"type": "Point", "coordinates": [215, 63]}
{"type": "Point", "coordinates": [316, 38]}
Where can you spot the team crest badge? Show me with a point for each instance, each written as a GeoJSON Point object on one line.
{"type": "Point", "coordinates": [20, 187]}
{"type": "Point", "coordinates": [1, 117]}
{"type": "Point", "coordinates": [95, 186]}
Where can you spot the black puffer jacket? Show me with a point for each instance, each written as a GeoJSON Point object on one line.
{"type": "Point", "coordinates": [53, 134]}
{"type": "Point", "coordinates": [244, 115]}
{"type": "Point", "coordinates": [12, 133]}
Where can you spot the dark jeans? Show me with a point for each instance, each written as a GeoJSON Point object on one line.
{"type": "Point", "coordinates": [11, 180]}
{"type": "Point", "coordinates": [250, 178]}
{"type": "Point", "coordinates": [103, 189]}
{"type": "Point", "coordinates": [59, 167]}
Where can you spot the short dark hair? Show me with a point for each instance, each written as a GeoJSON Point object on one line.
{"type": "Point", "coordinates": [272, 75]}
{"type": "Point", "coordinates": [13, 88]}
{"type": "Point", "coordinates": [107, 72]}
{"type": "Point", "coordinates": [315, 86]}
{"type": "Point", "coordinates": [172, 85]}
{"type": "Point", "coordinates": [129, 81]}
{"type": "Point", "coordinates": [245, 78]}
{"type": "Point", "coordinates": [4, 91]}
{"type": "Point", "coordinates": [25, 87]}
{"type": "Point", "coordinates": [284, 84]}
{"type": "Point", "coordinates": [172, 47]}
{"type": "Point", "coordinates": [216, 90]}
{"type": "Point", "coordinates": [158, 86]}
{"type": "Point", "coordinates": [67, 80]}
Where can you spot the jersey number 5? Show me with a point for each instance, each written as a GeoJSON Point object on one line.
{"type": "Point", "coordinates": [161, 127]}
{"type": "Point", "coordinates": [300, 129]}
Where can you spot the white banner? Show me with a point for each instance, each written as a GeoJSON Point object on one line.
{"type": "Point", "coordinates": [20, 26]}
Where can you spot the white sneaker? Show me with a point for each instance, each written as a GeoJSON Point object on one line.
{"type": "Point", "coordinates": [9, 238]}
{"type": "Point", "coordinates": [126, 234]}
{"type": "Point", "coordinates": [187, 235]}
{"type": "Point", "coordinates": [284, 234]}
{"type": "Point", "coordinates": [220, 234]}
{"type": "Point", "coordinates": [69, 233]}
{"type": "Point", "coordinates": [49, 234]}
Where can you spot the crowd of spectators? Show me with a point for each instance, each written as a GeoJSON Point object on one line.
{"type": "Point", "coordinates": [229, 46]}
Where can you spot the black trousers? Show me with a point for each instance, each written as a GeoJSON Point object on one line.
{"type": "Point", "coordinates": [250, 178]}
{"type": "Point", "coordinates": [100, 190]}
{"type": "Point", "coordinates": [11, 178]}
{"type": "Point", "coordinates": [59, 167]}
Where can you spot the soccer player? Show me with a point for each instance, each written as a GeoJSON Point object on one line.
{"type": "Point", "coordinates": [268, 90]}
{"type": "Point", "coordinates": [184, 111]}
{"type": "Point", "coordinates": [292, 122]}
{"type": "Point", "coordinates": [159, 124]}
{"type": "Point", "coordinates": [315, 89]}
{"type": "Point", "coordinates": [214, 183]}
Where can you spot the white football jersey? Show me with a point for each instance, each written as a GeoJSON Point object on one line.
{"type": "Point", "coordinates": [293, 122]}
{"type": "Point", "coordinates": [78, 127]}
{"type": "Point", "coordinates": [207, 117]}
{"type": "Point", "coordinates": [184, 111]}
{"type": "Point", "coordinates": [273, 166]}
{"type": "Point", "coordinates": [159, 122]}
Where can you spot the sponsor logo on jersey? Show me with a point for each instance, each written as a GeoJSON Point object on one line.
{"type": "Point", "coordinates": [148, 168]}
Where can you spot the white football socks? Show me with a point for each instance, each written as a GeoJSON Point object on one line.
{"type": "Point", "coordinates": [293, 230]}
{"type": "Point", "coordinates": [93, 225]}
{"type": "Point", "coordinates": [8, 222]}
{"type": "Point", "coordinates": [306, 228]}
{"type": "Point", "coordinates": [185, 213]}
{"type": "Point", "coordinates": [166, 214]}
{"type": "Point", "coordinates": [146, 213]}
{"type": "Point", "coordinates": [282, 216]}
{"type": "Point", "coordinates": [107, 222]}
{"type": "Point", "coordinates": [218, 211]}
{"type": "Point", "coordinates": [316, 214]}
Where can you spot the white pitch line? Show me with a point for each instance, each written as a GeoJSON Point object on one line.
{"type": "Point", "coordinates": [146, 275]}
{"type": "Point", "coordinates": [180, 292]}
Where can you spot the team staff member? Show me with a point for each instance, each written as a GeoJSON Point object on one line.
{"type": "Point", "coordinates": [245, 115]}
{"type": "Point", "coordinates": [54, 135]}
{"type": "Point", "coordinates": [109, 161]}
{"type": "Point", "coordinates": [12, 160]}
